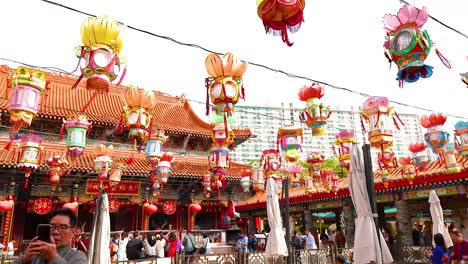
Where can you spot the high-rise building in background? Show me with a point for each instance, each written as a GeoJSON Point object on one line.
{"type": "Point", "coordinates": [265, 121]}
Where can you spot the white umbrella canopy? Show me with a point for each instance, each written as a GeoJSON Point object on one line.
{"type": "Point", "coordinates": [438, 219]}
{"type": "Point", "coordinates": [366, 240]}
{"type": "Point", "coordinates": [98, 251]}
{"type": "Point", "coordinates": [276, 243]}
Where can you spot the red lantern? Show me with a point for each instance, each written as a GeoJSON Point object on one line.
{"type": "Point", "coordinates": [279, 16]}
{"type": "Point", "coordinates": [195, 208]}
{"type": "Point", "coordinates": [6, 206]}
{"type": "Point", "coordinates": [72, 206]}
{"type": "Point", "coordinates": [150, 208]}
{"type": "Point", "coordinates": [57, 165]}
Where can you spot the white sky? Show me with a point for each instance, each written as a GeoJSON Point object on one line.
{"type": "Point", "coordinates": [340, 43]}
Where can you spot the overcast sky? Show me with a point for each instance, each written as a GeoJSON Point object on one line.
{"type": "Point", "coordinates": [339, 43]}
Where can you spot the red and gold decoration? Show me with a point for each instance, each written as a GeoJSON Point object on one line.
{"type": "Point", "coordinates": [345, 140]}
{"type": "Point", "coordinates": [408, 168]}
{"type": "Point", "coordinates": [28, 86]}
{"type": "Point", "coordinates": [150, 208]}
{"type": "Point", "coordinates": [377, 112]}
{"type": "Point", "coordinates": [99, 56]}
{"type": "Point", "coordinates": [6, 206]}
{"type": "Point", "coordinates": [115, 174]}
{"type": "Point", "coordinates": [73, 206]}
{"type": "Point", "coordinates": [461, 137]}
{"type": "Point", "coordinates": [408, 45]}
{"type": "Point", "coordinates": [206, 184]}
{"type": "Point", "coordinates": [127, 188]}
{"type": "Point", "coordinates": [246, 176]}
{"type": "Point", "coordinates": [103, 161]}
{"type": "Point", "coordinates": [138, 114]}
{"type": "Point", "coordinates": [420, 156]}
{"type": "Point", "coordinates": [281, 16]}
{"type": "Point", "coordinates": [435, 137]}
{"type": "Point", "coordinates": [57, 165]}
{"type": "Point", "coordinates": [315, 115]}
{"type": "Point", "coordinates": [77, 127]}
{"type": "Point", "coordinates": [193, 209]}
{"type": "Point", "coordinates": [29, 157]}
{"type": "Point", "coordinates": [169, 207]}
{"type": "Point", "coordinates": [114, 204]}
{"type": "Point", "coordinates": [42, 206]}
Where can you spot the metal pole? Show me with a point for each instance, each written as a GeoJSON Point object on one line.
{"type": "Point", "coordinates": [370, 189]}
{"type": "Point", "coordinates": [286, 218]}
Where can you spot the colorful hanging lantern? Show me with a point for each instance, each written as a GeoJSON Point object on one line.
{"type": "Point", "coordinates": [258, 180]}
{"type": "Point", "coordinates": [450, 157]}
{"type": "Point", "coordinates": [290, 140]}
{"type": "Point", "coordinates": [222, 135]}
{"type": "Point", "coordinates": [224, 86]}
{"type": "Point", "coordinates": [206, 183]}
{"type": "Point", "coordinates": [219, 158]}
{"type": "Point", "coordinates": [420, 157]}
{"type": "Point", "coordinates": [103, 162]}
{"type": "Point", "coordinates": [408, 44]}
{"type": "Point", "coordinates": [309, 186]}
{"type": "Point", "coordinates": [279, 16]}
{"type": "Point", "coordinates": [315, 160]}
{"type": "Point", "coordinates": [271, 161]}
{"type": "Point", "coordinates": [315, 115]}
{"type": "Point", "coordinates": [461, 131]}
{"type": "Point", "coordinates": [164, 168]}
{"type": "Point", "coordinates": [99, 59]}
{"type": "Point", "coordinates": [115, 174]}
{"type": "Point", "coordinates": [435, 137]}
{"type": "Point", "coordinates": [345, 140]}
{"type": "Point", "coordinates": [77, 127]}
{"type": "Point", "coordinates": [138, 113]}
{"type": "Point", "coordinates": [377, 112]}
{"type": "Point", "coordinates": [29, 157]}
{"type": "Point", "coordinates": [218, 181]}
{"type": "Point", "coordinates": [334, 183]}
{"type": "Point", "coordinates": [246, 175]}
{"type": "Point", "coordinates": [408, 168]}
{"type": "Point", "coordinates": [57, 165]}
{"type": "Point", "coordinates": [28, 86]}
{"type": "Point", "coordinates": [155, 145]}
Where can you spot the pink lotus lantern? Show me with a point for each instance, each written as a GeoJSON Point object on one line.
{"type": "Point", "coordinates": [29, 157]}
{"type": "Point", "coordinates": [57, 165]}
{"type": "Point", "coordinates": [103, 162]}
{"type": "Point", "coordinates": [315, 115]}
{"type": "Point", "coordinates": [345, 140]}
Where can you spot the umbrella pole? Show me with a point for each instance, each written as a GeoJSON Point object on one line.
{"type": "Point", "coordinates": [370, 190]}
{"type": "Point", "coordinates": [286, 218]}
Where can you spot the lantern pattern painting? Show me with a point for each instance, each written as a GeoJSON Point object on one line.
{"type": "Point", "coordinates": [281, 16]}
{"type": "Point", "coordinates": [77, 127]}
{"type": "Point", "coordinates": [315, 115]}
{"type": "Point", "coordinates": [28, 86]}
{"type": "Point", "coordinates": [29, 157]}
{"type": "Point", "coordinates": [408, 44]}
{"type": "Point", "coordinates": [290, 140]}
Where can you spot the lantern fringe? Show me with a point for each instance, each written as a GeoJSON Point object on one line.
{"type": "Point", "coordinates": [390, 60]}
{"type": "Point", "coordinates": [122, 76]}
{"type": "Point", "coordinates": [443, 59]}
{"type": "Point", "coordinates": [129, 160]}
{"type": "Point", "coordinates": [89, 102]}
{"type": "Point", "coordinates": [10, 142]}
{"type": "Point", "coordinates": [77, 82]}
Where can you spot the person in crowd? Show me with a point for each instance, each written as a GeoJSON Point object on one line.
{"type": "Point", "coordinates": [252, 243]}
{"type": "Point", "coordinates": [150, 245]}
{"type": "Point", "coordinates": [309, 240]}
{"type": "Point", "coordinates": [242, 241]}
{"type": "Point", "coordinates": [58, 251]}
{"type": "Point", "coordinates": [339, 238]}
{"type": "Point", "coordinates": [440, 254]}
{"type": "Point", "coordinates": [427, 235]}
{"type": "Point", "coordinates": [178, 244]}
{"type": "Point", "coordinates": [189, 243]}
{"type": "Point", "coordinates": [11, 249]}
{"type": "Point", "coordinates": [134, 247]}
{"type": "Point", "coordinates": [2, 247]}
{"type": "Point", "coordinates": [324, 240]}
{"type": "Point", "coordinates": [340, 259]}
{"type": "Point", "coordinates": [297, 241]}
{"type": "Point", "coordinates": [113, 248]}
{"type": "Point", "coordinates": [460, 247]}
{"type": "Point", "coordinates": [159, 246]}
{"type": "Point", "coordinates": [171, 245]}
{"type": "Point", "coordinates": [122, 243]}
{"type": "Point", "coordinates": [415, 235]}
{"type": "Point", "coordinates": [205, 245]}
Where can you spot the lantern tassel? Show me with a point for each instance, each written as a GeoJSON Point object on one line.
{"type": "Point", "coordinates": [129, 160]}
{"type": "Point", "coordinates": [88, 103]}
{"type": "Point", "coordinates": [8, 145]}
{"type": "Point", "coordinates": [443, 59]}
{"type": "Point", "coordinates": [399, 119]}
{"type": "Point", "coordinates": [77, 82]}
{"type": "Point", "coordinates": [62, 129]}
{"type": "Point", "coordinates": [123, 75]}
{"type": "Point", "coordinates": [284, 35]}
{"type": "Point", "coordinates": [362, 124]}
{"type": "Point", "coordinates": [207, 85]}
{"type": "Point", "coordinates": [243, 93]}
{"type": "Point", "coordinates": [396, 123]}
{"type": "Point", "coordinates": [389, 60]}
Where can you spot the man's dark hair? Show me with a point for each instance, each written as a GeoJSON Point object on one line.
{"type": "Point", "coordinates": [340, 259]}
{"type": "Point", "coordinates": [65, 212]}
{"type": "Point", "coordinates": [135, 234]}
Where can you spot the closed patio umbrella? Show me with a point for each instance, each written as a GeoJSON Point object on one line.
{"type": "Point", "coordinates": [438, 219]}
{"type": "Point", "coordinates": [366, 241]}
{"type": "Point", "coordinates": [98, 251]}
{"type": "Point", "coordinates": [276, 243]}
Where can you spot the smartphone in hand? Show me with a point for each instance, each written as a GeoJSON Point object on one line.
{"type": "Point", "coordinates": [43, 232]}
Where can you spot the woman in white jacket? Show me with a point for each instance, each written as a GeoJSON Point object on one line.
{"type": "Point", "coordinates": [159, 247]}
{"type": "Point", "coordinates": [122, 243]}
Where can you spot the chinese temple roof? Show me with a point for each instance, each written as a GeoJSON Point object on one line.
{"type": "Point", "coordinates": [183, 166]}
{"type": "Point", "coordinates": [173, 114]}
{"type": "Point", "coordinates": [435, 174]}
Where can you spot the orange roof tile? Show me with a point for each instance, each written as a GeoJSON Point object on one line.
{"type": "Point", "coordinates": [183, 166]}
{"type": "Point", "coordinates": [433, 174]}
{"type": "Point", "coordinates": [173, 114]}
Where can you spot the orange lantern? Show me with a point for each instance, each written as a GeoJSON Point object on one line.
{"type": "Point", "coordinates": [57, 165]}
{"type": "Point", "coordinates": [72, 206]}
{"type": "Point", "coordinates": [258, 180]}
{"type": "Point", "coordinates": [28, 86]}
{"type": "Point", "coordinates": [279, 16]}
{"type": "Point", "coordinates": [315, 115]}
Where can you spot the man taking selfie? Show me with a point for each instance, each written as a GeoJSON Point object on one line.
{"type": "Point", "coordinates": [58, 251]}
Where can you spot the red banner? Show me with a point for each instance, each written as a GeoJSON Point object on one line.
{"type": "Point", "coordinates": [42, 206]}
{"type": "Point", "coordinates": [123, 188]}
{"type": "Point", "coordinates": [113, 204]}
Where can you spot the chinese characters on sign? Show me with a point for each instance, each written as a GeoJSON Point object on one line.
{"type": "Point", "coordinates": [113, 204]}
{"type": "Point", "coordinates": [169, 207]}
{"type": "Point", "coordinates": [122, 188]}
{"type": "Point", "coordinates": [42, 206]}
